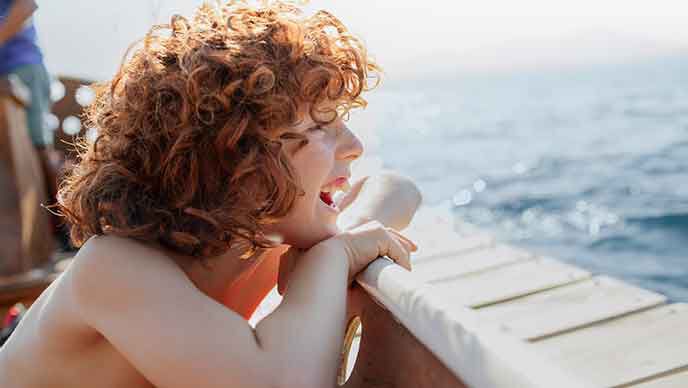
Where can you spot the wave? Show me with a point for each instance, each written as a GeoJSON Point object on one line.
{"type": "Point", "coordinates": [620, 243]}
{"type": "Point", "coordinates": [678, 221]}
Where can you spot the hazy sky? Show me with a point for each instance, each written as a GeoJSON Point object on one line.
{"type": "Point", "coordinates": [88, 38]}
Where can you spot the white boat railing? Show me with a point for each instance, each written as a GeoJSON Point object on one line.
{"type": "Point", "coordinates": [479, 356]}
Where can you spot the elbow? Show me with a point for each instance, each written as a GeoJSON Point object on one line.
{"type": "Point", "coordinates": [287, 367]}
{"type": "Point", "coordinates": [415, 195]}
{"type": "Point", "coordinates": [409, 197]}
{"type": "Point", "coordinates": [405, 186]}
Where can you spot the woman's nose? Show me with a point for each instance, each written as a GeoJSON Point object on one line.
{"type": "Point", "coordinates": [351, 146]}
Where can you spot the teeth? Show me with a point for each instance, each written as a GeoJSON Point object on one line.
{"type": "Point", "coordinates": [333, 189]}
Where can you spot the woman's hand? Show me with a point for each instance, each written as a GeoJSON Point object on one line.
{"type": "Point", "coordinates": [360, 245]}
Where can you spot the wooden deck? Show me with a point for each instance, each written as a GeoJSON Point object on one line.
{"type": "Point", "coordinates": [604, 331]}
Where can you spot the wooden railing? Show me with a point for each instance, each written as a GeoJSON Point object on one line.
{"type": "Point", "coordinates": [25, 236]}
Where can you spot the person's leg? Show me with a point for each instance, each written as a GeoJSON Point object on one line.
{"type": "Point", "coordinates": [37, 80]}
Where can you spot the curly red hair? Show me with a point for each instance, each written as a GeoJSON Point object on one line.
{"type": "Point", "coordinates": [191, 129]}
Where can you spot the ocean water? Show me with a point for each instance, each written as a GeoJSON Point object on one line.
{"type": "Point", "coordinates": [587, 165]}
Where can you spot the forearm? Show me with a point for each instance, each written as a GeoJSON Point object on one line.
{"type": "Point", "coordinates": [20, 11]}
{"type": "Point", "coordinates": [305, 332]}
{"type": "Point", "coordinates": [389, 198]}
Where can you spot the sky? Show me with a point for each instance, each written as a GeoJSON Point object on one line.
{"type": "Point", "coordinates": [409, 38]}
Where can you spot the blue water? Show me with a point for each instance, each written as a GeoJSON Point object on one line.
{"type": "Point", "coordinates": [587, 165]}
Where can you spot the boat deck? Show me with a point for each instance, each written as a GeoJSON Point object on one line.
{"type": "Point", "coordinates": [523, 319]}
{"type": "Point", "coordinates": [604, 331]}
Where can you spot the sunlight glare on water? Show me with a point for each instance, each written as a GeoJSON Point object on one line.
{"type": "Point", "coordinates": [71, 125]}
{"type": "Point", "coordinates": [84, 95]}
{"type": "Point", "coordinates": [91, 135]}
{"type": "Point", "coordinates": [51, 122]}
{"type": "Point", "coordinates": [57, 90]}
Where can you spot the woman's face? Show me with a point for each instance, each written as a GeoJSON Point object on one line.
{"type": "Point", "coordinates": [326, 157]}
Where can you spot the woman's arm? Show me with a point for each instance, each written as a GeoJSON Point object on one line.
{"type": "Point", "coordinates": [147, 308]}
{"type": "Point", "coordinates": [19, 12]}
{"type": "Point", "coordinates": [389, 197]}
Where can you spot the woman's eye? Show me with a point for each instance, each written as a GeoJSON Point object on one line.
{"type": "Point", "coordinates": [317, 127]}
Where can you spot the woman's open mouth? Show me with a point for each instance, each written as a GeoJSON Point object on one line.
{"type": "Point", "coordinates": [327, 193]}
{"type": "Point", "coordinates": [326, 198]}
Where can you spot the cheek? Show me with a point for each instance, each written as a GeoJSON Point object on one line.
{"type": "Point", "coordinates": [313, 162]}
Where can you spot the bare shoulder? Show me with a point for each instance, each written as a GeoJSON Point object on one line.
{"type": "Point", "coordinates": [113, 269]}
{"type": "Point", "coordinates": [103, 259]}
{"type": "Point", "coordinates": [101, 253]}
{"type": "Point", "coordinates": [148, 309]}
{"type": "Point", "coordinates": [109, 247]}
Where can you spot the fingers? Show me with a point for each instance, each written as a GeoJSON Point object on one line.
{"type": "Point", "coordinates": [413, 245]}
{"type": "Point", "coordinates": [400, 249]}
{"type": "Point", "coordinates": [400, 254]}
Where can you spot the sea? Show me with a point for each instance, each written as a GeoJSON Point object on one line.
{"type": "Point", "coordinates": [588, 165]}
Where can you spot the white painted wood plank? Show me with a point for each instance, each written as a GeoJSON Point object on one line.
{"type": "Point", "coordinates": [508, 282]}
{"type": "Point", "coordinates": [569, 307]}
{"type": "Point", "coordinates": [437, 234]}
{"type": "Point", "coordinates": [432, 246]}
{"type": "Point", "coordinates": [460, 264]}
{"type": "Point", "coordinates": [483, 358]}
{"type": "Point", "coordinates": [623, 350]}
{"type": "Point", "coordinates": [674, 380]}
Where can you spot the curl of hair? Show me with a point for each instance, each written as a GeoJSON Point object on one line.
{"type": "Point", "coordinates": [191, 129]}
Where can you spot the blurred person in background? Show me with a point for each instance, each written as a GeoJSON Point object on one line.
{"type": "Point", "coordinates": [21, 56]}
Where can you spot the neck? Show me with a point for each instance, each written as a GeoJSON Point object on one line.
{"type": "Point", "coordinates": [219, 273]}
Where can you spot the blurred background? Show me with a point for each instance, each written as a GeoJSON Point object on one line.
{"type": "Point", "coordinates": [560, 126]}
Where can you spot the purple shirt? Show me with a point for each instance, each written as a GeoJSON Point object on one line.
{"type": "Point", "coordinates": [22, 48]}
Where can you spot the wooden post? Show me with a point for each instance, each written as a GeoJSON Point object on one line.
{"type": "Point", "coordinates": [26, 240]}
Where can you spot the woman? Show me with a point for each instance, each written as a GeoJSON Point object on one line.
{"type": "Point", "coordinates": [221, 143]}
